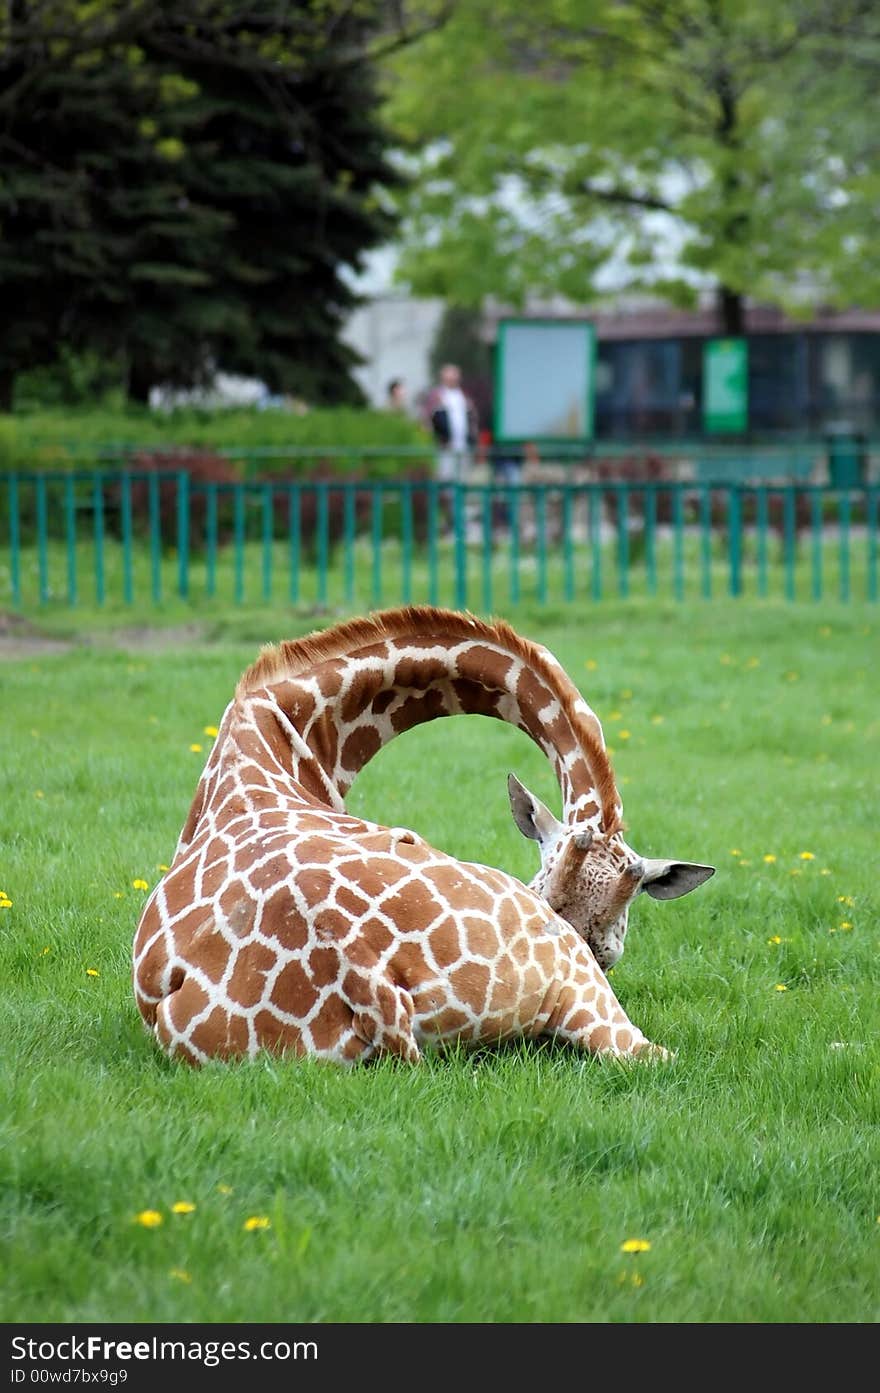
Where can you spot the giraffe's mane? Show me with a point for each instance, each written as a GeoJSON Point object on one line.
{"type": "Point", "coordinates": [294, 657]}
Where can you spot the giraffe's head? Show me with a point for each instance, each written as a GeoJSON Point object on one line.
{"type": "Point", "coordinates": [591, 879]}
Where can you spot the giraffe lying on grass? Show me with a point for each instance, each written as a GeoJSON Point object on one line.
{"type": "Point", "coordinates": [286, 924]}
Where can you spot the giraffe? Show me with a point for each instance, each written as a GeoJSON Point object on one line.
{"type": "Point", "coordinates": [285, 923]}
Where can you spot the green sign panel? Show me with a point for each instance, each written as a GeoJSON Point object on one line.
{"type": "Point", "coordinates": [726, 386]}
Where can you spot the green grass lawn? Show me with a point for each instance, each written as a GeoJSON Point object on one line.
{"type": "Point", "coordinates": [497, 1187]}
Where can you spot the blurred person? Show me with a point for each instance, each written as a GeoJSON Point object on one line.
{"type": "Point", "coordinates": [452, 417]}
{"type": "Point", "coordinates": [396, 395]}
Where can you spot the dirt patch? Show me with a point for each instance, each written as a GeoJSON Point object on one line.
{"type": "Point", "coordinates": [20, 638]}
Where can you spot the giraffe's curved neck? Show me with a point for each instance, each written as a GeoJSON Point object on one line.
{"type": "Point", "coordinates": [339, 713]}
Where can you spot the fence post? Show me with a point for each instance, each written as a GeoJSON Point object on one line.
{"type": "Point", "coordinates": [845, 514]}
{"type": "Point", "coordinates": [14, 540]}
{"type": "Point", "coordinates": [788, 540]}
{"type": "Point", "coordinates": [706, 541]}
{"type": "Point", "coordinates": [294, 527]}
{"type": "Point", "coordinates": [433, 508]}
{"type": "Point", "coordinates": [623, 541]}
{"type": "Point", "coordinates": [406, 507]}
{"type": "Point", "coordinates": [211, 540]}
{"type": "Point", "coordinates": [70, 536]}
{"type": "Point", "coordinates": [734, 534]}
{"type": "Point", "coordinates": [348, 512]}
{"type": "Point", "coordinates": [98, 499]}
{"type": "Point", "coordinates": [460, 546]}
{"type": "Point", "coordinates": [322, 527]}
{"type": "Point", "coordinates": [595, 505]}
{"type": "Point", "coordinates": [127, 579]}
{"type": "Point", "coordinates": [567, 544]}
{"type": "Point", "coordinates": [486, 568]}
{"type": "Point", "coordinates": [238, 530]}
{"type": "Point", "coordinates": [678, 542]}
{"type": "Point", "coordinates": [376, 519]}
{"type": "Point", "coordinates": [514, 543]}
{"type": "Point", "coordinates": [816, 540]}
{"type": "Point", "coordinates": [42, 538]}
{"type": "Point", "coordinates": [872, 499]}
{"type": "Point", "coordinates": [183, 534]}
{"type": "Point", "coordinates": [155, 537]}
{"type": "Point", "coordinates": [762, 520]}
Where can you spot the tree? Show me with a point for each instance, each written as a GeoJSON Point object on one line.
{"type": "Point", "coordinates": [667, 144]}
{"type": "Point", "coordinates": [184, 186]}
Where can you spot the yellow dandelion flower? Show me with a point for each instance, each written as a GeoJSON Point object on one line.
{"type": "Point", "coordinates": [164, 867]}
{"type": "Point", "coordinates": [624, 734]}
{"type": "Point", "coordinates": [179, 1275]}
{"type": "Point", "coordinates": [616, 716]}
{"type": "Point", "coordinates": [92, 972]}
{"type": "Point", "coordinates": [846, 899]}
{"type": "Point", "coordinates": [118, 895]}
{"type": "Point", "coordinates": [182, 1207]}
{"type": "Point", "coordinates": [256, 1221]}
{"type": "Point", "coordinates": [5, 902]}
{"type": "Point", "coordinates": [635, 1245]}
{"type": "Point", "coordinates": [770, 858]}
{"type": "Point", "coordinates": [807, 856]}
{"type": "Point", "coordinates": [824, 871]}
{"type": "Point", "coordinates": [149, 1218]}
{"type": "Point", "coordinates": [212, 731]}
{"type": "Point", "coordinates": [745, 863]}
{"type": "Point", "coordinates": [591, 665]}
{"type": "Point", "coordinates": [774, 939]}
{"type": "Point", "coordinates": [196, 748]}
{"type": "Point", "coordinates": [38, 793]}
{"type": "Point", "coordinates": [735, 851]}
{"type": "Point", "coordinates": [780, 987]}
{"type": "Point", "coordinates": [845, 924]}
{"type": "Point", "coordinates": [225, 1189]}
{"type": "Point", "coordinates": [139, 884]}
{"type": "Point", "coordinates": [45, 951]}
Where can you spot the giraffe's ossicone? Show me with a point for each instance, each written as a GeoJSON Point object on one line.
{"type": "Point", "coordinates": [286, 924]}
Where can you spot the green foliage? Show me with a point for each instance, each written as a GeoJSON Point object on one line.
{"type": "Point", "coordinates": [182, 187]}
{"type": "Point", "coordinates": [589, 133]}
{"type": "Point", "coordinates": [59, 440]}
{"type": "Point", "coordinates": [489, 1188]}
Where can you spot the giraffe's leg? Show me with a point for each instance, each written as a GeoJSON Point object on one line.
{"type": "Point", "coordinates": [589, 1016]}
{"type": "Point", "coordinates": [382, 1011]}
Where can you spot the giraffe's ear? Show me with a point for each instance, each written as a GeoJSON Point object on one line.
{"type": "Point", "coordinates": [529, 813]}
{"type": "Point", "coordinates": [668, 880]}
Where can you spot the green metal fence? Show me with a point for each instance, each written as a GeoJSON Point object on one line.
{"type": "Point", "coordinates": [92, 537]}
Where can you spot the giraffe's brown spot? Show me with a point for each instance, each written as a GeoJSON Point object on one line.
{"type": "Point", "coordinates": [413, 908]}
{"type": "Point", "coordinates": [323, 966]}
{"type": "Point", "coordinates": [534, 981]}
{"type": "Point", "coordinates": [624, 1039]}
{"type": "Point", "coordinates": [188, 924]}
{"type": "Point", "coordinates": [357, 988]}
{"type": "Point", "coordinates": [323, 739]}
{"type": "Point", "coordinates": [297, 703]}
{"type": "Point", "coordinates": [294, 992]}
{"type": "Point", "coordinates": [329, 677]}
{"type": "Point", "coordinates": [470, 983]}
{"type": "Point", "coordinates": [410, 965]}
{"type": "Point", "coordinates": [271, 872]}
{"type": "Point", "coordinates": [332, 1019]}
{"type": "Point", "coordinates": [210, 951]}
{"type": "Point", "coordinates": [274, 1034]}
{"type": "Point", "coordinates": [363, 686]}
{"type": "Point", "coordinates": [330, 925]}
{"type": "Point", "coordinates": [314, 884]}
{"type": "Point", "coordinates": [419, 673]}
{"type": "Point", "coordinates": [561, 734]}
{"type": "Point", "coordinates": [316, 850]}
{"type": "Point", "coordinates": [600, 1038]}
{"type": "Point", "coordinates": [237, 910]}
{"type": "Point", "coordinates": [248, 981]}
{"type": "Point", "coordinates": [353, 1047]}
{"type": "Point", "coordinates": [214, 1035]}
{"type": "Point", "coordinates": [486, 666]}
{"type": "Point", "coordinates": [377, 935]}
{"type": "Point", "coordinates": [460, 891]}
{"type": "Point", "coordinates": [382, 702]}
{"type": "Point", "coordinates": [418, 709]}
{"type": "Point", "coordinates": [309, 783]}
{"type": "Point", "coordinates": [445, 944]}
{"type": "Point", "coordinates": [481, 936]}
{"type": "Point", "coordinates": [532, 694]}
{"type": "Point", "coordinates": [188, 1001]}
{"type": "Point", "coordinates": [350, 902]}
{"type": "Point", "coordinates": [374, 876]}
{"type": "Point", "coordinates": [360, 746]}
{"type": "Point", "coordinates": [474, 698]}
{"type": "Point", "coordinates": [579, 1021]}
{"type": "Point", "coordinates": [449, 1021]}
{"type": "Point", "coordinates": [372, 650]}
{"type": "Point", "coordinates": [283, 920]}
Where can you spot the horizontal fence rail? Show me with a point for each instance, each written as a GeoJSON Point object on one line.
{"type": "Point", "coordinates": [91, 537]}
